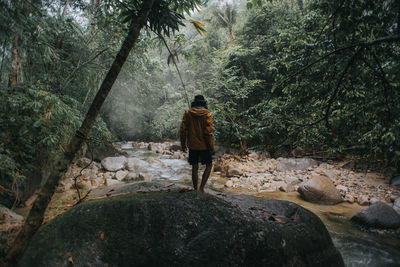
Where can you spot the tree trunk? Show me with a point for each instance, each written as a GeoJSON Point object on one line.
{"type": "Point", "coordinates": [15, 64]}
{"type": "Point", "coordinates": [35, 217]}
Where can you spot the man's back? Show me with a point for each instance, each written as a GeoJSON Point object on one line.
{"type": "Point", "coordinates": [196, 129]}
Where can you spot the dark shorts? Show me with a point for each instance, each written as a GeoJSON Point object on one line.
{"type": "Point", "coordinates": [196, 156]}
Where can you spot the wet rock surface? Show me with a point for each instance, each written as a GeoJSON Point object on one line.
{"type": "Point", "coordinates": [138, 229]}
{"type": "Point", "coordinates": [114, 163]}
{"type": "Point", "coordinates": [320, 189]}
{"type": "Point", "coordinates": [378, 215]}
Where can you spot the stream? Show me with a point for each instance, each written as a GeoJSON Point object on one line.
{"type": "Point", "coordinates": [358, 248]}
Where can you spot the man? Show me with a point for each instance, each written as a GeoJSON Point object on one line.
{"type": "Point", "coordinates": [196, 134]}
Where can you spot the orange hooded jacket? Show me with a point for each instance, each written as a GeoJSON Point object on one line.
{"type": "Point", "coordinates": [196, 130]}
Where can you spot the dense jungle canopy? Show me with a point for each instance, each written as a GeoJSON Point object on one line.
{"type": "Point", "coordinates": [310, 75]}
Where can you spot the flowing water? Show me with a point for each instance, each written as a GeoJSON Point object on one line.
{"type": "Point", "coordinates": [357, 247]}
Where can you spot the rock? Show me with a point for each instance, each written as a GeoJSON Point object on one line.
{"type": "Point", "coordinates": [8, 216]}
{"type": "Point", "coordinates": [378, 215]}
{"type": "Point", "coordinates": [288, 164]}
{"type": "Point", "coordinates": [114, 163]}
{"type": "Point", "coordinates": [374, 200]}
{"type": "Point", "coordinates": [233, 171]}
{"type": "Point", "coordinates": [331, 174]}
{"type": "Point", "coordinates": [176, 155]}
{"type": "Point", "coordinates": [83, 162]}
{"type": "Point", "coordinates": [349, 198]}
{"type": "Point", "coordinates": [395, 181]}
{"type": "Point", "coordinates": [108, 175]}
{"type": "Point", "coordinates": [102, 151]}
{"type": "Point", "coordinates": [229, 183]}
{"type": "Point", "coordinates": [127, 146]}
{"type": "Point", "coordinates": [277, 178]}
{"type": "Point", "coordinates": [175, 147]}
{"type": "Point", "coordinates": [287, 188]}
{"type": "Point", "coordinates": [134, 164]}
{"type": "Point", "coordinates": [292, 180]}
{"type": "Point", "coordinates": [111, 182]}
{"type": "Point", "coordinates": [132, 176]}
{"type": "Point", "coordinates": [342, 188]}
{"type": "Point", "coordinates": [320, 189]}
{"type": "Point", "coordinates": [120, 175]}
{"type": "Point", "coordinates": [394, 197]}
{"type": "Point", "coordinates": [396, 205]}
{"type": "Point", "coordinates": [363, 200]}
{"type": "Point", "coordinates": [138, 229]}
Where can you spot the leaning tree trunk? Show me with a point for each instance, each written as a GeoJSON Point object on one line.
{"type": "Point", "coordinates": [35, 217]}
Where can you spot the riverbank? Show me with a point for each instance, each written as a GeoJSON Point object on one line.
{"type": "Point", "coordinates": [255, 174]}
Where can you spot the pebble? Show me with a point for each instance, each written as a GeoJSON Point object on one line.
{"type": "Point", "coordinates": [229, 183]}
{"type": "Point", "coordinates": [342, 188]}
{"type": "Point", "coordinates": [363, 200]}
{"type": "Point", "coordinates": [349, 198]}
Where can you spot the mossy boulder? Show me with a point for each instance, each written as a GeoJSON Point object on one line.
{"type": "Point", "coordinates": [182, 229]}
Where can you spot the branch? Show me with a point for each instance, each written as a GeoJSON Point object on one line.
{"type": "Point", "coordinates": [176, 66]}
{"type": "Point", "coordinates": [69, 78]}
{"type": "Point", "coordinates": [334, 94]}
{"type": "Point", "coordinates": [386, 39]}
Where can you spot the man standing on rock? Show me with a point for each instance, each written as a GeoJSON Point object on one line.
{"type": "Point", "coordinates": [196, 134]}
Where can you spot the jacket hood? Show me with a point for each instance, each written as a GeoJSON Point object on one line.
{"type": "Point", "coordinates": [199, 112]}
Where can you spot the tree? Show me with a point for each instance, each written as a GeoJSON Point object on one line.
{"type": "Point", "coordinates": [163, 17]}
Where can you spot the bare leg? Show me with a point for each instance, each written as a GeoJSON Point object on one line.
{"type": "Point", "coordinates": [195, 176]}
{"type": "Point", "coordinates": [204, 179]}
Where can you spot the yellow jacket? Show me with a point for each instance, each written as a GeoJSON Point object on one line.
{"type": "Point", "coordinates": [196, 130]}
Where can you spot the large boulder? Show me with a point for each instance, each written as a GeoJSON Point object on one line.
{"type": "Point", "coordinates": [288, 164]}
{"type": "Point", "coordinates": [182, 229]}
{"type": "Point", "coordinates": [378, 215]}
{"type": "Point", "coordinates": [319, 189]}
{"type": "Point", "coordinates": [395, 181]}
{"type": "Point", "coordinates": [114, 164]}
{"type": "Point", "coordinates": [102, 151]}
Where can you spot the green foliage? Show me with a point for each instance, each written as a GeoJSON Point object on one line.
{"type": "Point", "coordinates": [36, 125]}
{"type": "Point", "coordinates": [280, 88]}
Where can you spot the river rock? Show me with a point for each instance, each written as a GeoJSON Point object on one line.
{"type": "Point", "coordinates": [292, 180]}
{"type": "Point", "coordinates": [183, 229]}
{"type": "Point", "coordinates": [134, 164]}
{"type": "Point", "coordinates": [233, 171]}
{"type": "Point", "coordinates": [229, 183]}
{"type": "Point", "coordinates": [342, 188]}
{"type": "Point", "coordinates": [396, 205]}
{"type": "Point", "coordinates": [8, 216]}
{"type": "Point", "coordinates": [288, 164]}
{"type": "Point", "coordinates": [320, 189]}
{"type": "Point", "coordinates": [102, 151]}
{"type": "Point", "coordinates": [287, 188]}
{"type": "Point", "coordinates": [120, 175]}
{"type": "Point", "coordinates": [395, 181]}
{"type": "Point", "coordinates": [331, 174]}
{"type": "Point", "coordinates": [175, 147]}
{"type": "Point", "coordinates": [349, 198]}
{"type": "Point", "coordinates": [363, 200]}
{"type": "Point", "coordinates": [83, 162]}
{"type": "Point", "coordinates": [114, 164]}
{"type": "Point", "coordinates": [378, 215]}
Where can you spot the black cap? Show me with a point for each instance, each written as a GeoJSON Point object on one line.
{"type": "Point", "coordinates": [199, 101]}
{"type": "Point", "coordinates": [199, 98]}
